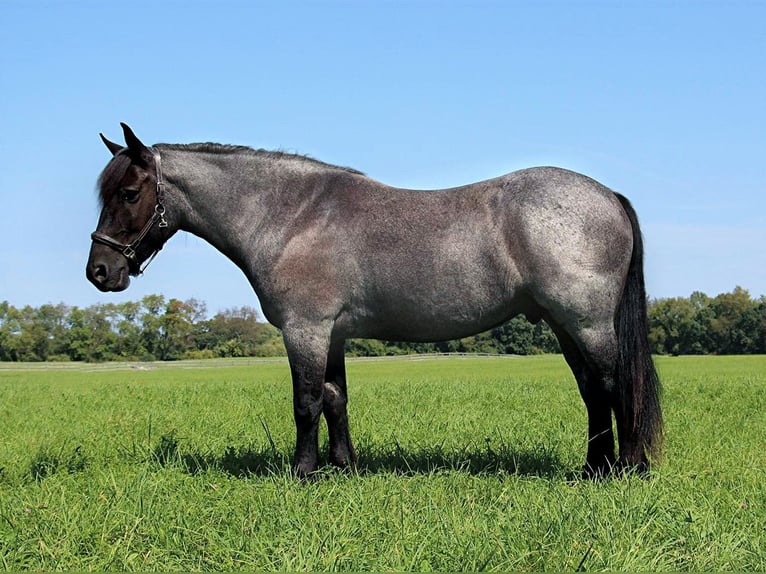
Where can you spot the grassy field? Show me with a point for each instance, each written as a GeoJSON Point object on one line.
{"type": "Point", "coordinates": [465, 464]}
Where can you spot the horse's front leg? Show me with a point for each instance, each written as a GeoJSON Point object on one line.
{"type": "Point", "coordinates": [335, 399]}
{"type": "Point", "coordinates": [307, 347]}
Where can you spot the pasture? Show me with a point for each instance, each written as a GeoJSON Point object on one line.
{"type": "Point", "coordinates": [465, 464]}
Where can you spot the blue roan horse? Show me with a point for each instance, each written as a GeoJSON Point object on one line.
{"type": "Point", "coordinates": [333, 254]}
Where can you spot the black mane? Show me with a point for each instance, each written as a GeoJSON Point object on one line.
{"type": "Point", "coordinates": [222, 149]}
{"type": "Point", "coordinates": [109, 179]}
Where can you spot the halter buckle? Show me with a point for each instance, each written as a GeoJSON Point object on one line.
{"type": "Point", "coordinates": [159, 209]}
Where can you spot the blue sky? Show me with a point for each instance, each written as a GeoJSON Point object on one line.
{"type": "Point", "coordinates": [662, 101]}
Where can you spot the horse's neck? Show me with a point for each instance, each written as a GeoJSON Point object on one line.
{"type": "Point", "coordinates": [238, 202]}
{"type": "Point", "coordinates": [216, 198]}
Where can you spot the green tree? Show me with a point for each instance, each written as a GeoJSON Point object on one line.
{"type": "Point", "coordinates": [176, 329]}
{"type": "Point", "coordinates": [35, 333]}
{"type": "Point", "coordinates": [728, 309]}
{"type": "Point", "coordinates": [238, 333]}
{"type": "Point", "coordinates": [748, 334]}
{"type": "Point", "coordinates": [673, 327]}
{"type": "Point", "coordinates": [130, 344]}
{"type": "Point", "coordinates": [516, 337]}
{"type": "Point", "coordinates": [89, 336]}
{"type": "Point", "coordinates": [9, 332]}
{"type": "Point", "coordinates": [151, 325]}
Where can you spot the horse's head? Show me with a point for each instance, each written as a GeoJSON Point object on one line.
{"type": "Point", "coordinates": [132, 225]}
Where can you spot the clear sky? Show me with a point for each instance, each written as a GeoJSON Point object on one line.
{"type": "Point", "coordinates": [662, 101]}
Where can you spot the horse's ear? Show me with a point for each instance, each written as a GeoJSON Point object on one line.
{"type": "Point", "coordinates": [115, 148]}
{"type": "Point", "coordinates": [134, 144]}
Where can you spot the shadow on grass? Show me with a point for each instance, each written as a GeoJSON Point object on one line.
{"type": "Point", "coordinates": [48, 461]}
{"type": "Point", "coordinates": [427, 460]}
{"type": "Point", "coordinates": [373, 459]}
{"type": "Point", "coordinates": [540, 461]}
{"type": "Point", "coordinates": [239, 462]}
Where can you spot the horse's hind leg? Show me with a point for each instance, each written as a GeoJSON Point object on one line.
{"type": "Point", "coordinates": [335, 398]}
{"type": "Point", "coordinates": [592, 356]}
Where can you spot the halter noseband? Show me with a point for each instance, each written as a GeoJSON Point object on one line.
{"type": "Point", "coordinates": [158, 217]}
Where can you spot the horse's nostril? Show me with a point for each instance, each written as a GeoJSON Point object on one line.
{"type": "Point", "coordinates": [100, 272]}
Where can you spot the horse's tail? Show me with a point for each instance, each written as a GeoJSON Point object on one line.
{"type": "Point", "coordinates": [637, 381]}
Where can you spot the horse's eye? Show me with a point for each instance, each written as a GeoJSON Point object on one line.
{"type": "Point", "coordinates": [130, 195]}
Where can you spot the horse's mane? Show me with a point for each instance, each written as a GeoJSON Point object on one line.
{"type": "Point", "coordinates": [109, 180]}
{"type": "Point", "coordinates": [224, 149]}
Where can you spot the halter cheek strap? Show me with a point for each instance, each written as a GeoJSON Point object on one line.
{"type": "Point", "coordinates": [158, 217]}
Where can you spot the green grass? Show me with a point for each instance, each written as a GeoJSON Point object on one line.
{"type": "Point", "coordinates": [465, 464]}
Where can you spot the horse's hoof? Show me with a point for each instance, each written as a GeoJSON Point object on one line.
{"type": "Point", "coordinates": [595, 473]}
{"type": "Point", "coordinates": [305, 472]}
{"type": "Point", "coordinates": [603, 468]}
{"type": "Point", "coordinates": [639, 469]}
{"type": "Point", "coordinates": [344, 461]}
{"type": "Point", "coordinates": [346, 466]}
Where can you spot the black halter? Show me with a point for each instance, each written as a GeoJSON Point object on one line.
{"type": "Point", "coordinates": [158, 217]}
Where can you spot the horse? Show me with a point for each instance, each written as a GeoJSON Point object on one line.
{"type": "Point", "coordinates": [333, 254]}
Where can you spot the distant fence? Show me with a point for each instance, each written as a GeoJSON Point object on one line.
{"type": "Point", "coordinates": [233, 362]}
{"type": "Point", "coordinates": [428, 356]}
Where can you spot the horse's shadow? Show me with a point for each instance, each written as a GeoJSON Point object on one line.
{"type": "Point", "coordinates": [472, 459]}
{"type": "Point", "coordinates": [376, 460]}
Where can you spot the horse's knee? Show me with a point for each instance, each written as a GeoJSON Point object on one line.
{"type": "Point", "coordinates": [342, 452]}
{"type": "Point", "coordinates": [334, 400]}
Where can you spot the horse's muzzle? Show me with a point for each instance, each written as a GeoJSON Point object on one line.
{"type": "Point", "coordinates": [107, 275]}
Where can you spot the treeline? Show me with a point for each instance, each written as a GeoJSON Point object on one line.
{"type": "Point", "coordinates": [728, 324]}
{"type": "Point", "coordinates": [148, 330]}
{"type": "Point", "coordinates": [159, 329]}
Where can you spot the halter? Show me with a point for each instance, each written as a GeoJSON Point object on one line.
{"type": "Point", "coordinates": [129, 249]}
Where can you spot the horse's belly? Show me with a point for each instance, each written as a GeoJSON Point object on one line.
{"type": "Point", "coordinates": [425, 330]}
{"type": "Point", "coordinates": [448, 308]}
{"type": "Point", "coordinates": [438, 285]}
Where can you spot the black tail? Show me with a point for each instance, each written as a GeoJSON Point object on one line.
{"type": "Point", "coordinates": [637, 380]}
